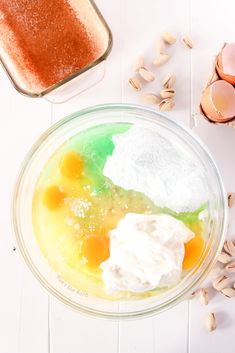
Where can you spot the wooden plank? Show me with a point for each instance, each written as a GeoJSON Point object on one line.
{"type": "Point", "coordinates": [136, 26]}
{"type": "Point", "coordinates": [209, 37]}
{"type": "Point", "coordinates": [137, 336]}
{"type": "Point", "coordinates": [23, 307]}
{"type": "Point", "coordinates": [171, 330]}
{"type": "Point", "coordinates": [34, 333]}
{"type": "Point", "coordinates": [22, 120]}
{"type": "Point", "coordinates": [142, 26]}
{"type": "Point", "coordinates": [70, 331]}
{"type": "Point", "coordinates": [109, 89]}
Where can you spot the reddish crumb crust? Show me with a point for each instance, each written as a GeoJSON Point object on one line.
{"type": "Point", "coordinates": [45, 41]}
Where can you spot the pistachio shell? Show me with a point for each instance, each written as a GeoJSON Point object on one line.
{"type": "Point", "coordinates": [151, 98]}
{"type": "Point", "coordinates": [168, 38]}
{"type": "Point", "coordinates": [166, 104]}
{"type": "Point", "coordinates": [230, 267]}
{"type": "Point", "coordinates": [160, 47]}
{"type": "Point", "coordinates": [211, 322]}
{"type": "Point", "coordinates": [231, 199]}
{"type": "Point", "coordinates": [146, 74]}
{"type": "Point", "coordinates": [161, 59]}
{"type": "Point", "coordinates": [169, 81]}
{"type": "Point", "coordinates": [138, 63]}
{"type": "Point", "coordinates": [229, 247]}
{"type": "Point", "coordinates": [135, 83]}
{"type": "Point", "coordinates": [224, 258]}
{"type": "Point", "coordinates": [204, 296]}
{"type": "Point", "coordinates": [228, 292]}
{"type": "Point", "coordinates": [187, 41]}
{"type": "Point", "coordinates": [221, 282]}
{"type": "Point", "coordinates": [167, 93]}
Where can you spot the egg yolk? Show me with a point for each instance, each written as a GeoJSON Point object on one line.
{"type": "Point", "coordinates": [193, 251]}
{"type": "Point", "coordinates": [52, 197]}
{"type": "Point", "coordinates": [71, 165]}
{"type": "Point", "coordinates": [95, 249]}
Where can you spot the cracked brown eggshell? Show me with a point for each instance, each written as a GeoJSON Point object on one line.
{"type": "Point", "coordinates": [218, 101]}
{"type": "Point", "coordinates": [225, 63]}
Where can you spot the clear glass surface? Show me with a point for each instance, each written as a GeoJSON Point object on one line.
{"type": "Point", "coordinates": [77, 81]}
{"type": "Point", "coordinates": [22, 211]}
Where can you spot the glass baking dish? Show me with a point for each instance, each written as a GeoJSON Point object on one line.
{"type": "Point", "coordinates": [53, 49]}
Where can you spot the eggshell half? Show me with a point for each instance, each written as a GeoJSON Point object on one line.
{"type": "Point", "coordinates": [219, 57]}
{"type": "Point", "coordinates": [228, 78]}
{"type": "Point", "coordinates": [218, 101]}
{"type": "Point", "coordinates": [225, 64]}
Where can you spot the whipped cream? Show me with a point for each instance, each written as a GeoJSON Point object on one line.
{"type": "Point", "coordinates": [146, 251]}
{"type": "Point", "coordinates": [158, 165]}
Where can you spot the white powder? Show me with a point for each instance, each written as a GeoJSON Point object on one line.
{"type": "Point", "coordinates": [78, 206]}
{"type": "Point", "coordinates": [147, 162]}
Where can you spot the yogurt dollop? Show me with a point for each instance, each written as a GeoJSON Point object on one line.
{"type": "Point", "coordinates": [146, 251]}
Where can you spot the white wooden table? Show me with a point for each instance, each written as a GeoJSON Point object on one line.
{"type": "Point", "coordinates": [30, 320]}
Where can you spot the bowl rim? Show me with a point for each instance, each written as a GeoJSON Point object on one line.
{"type": "Point", "coordinates": [27, 259]}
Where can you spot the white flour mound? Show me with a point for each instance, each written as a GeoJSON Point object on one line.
{"type": "Point", "coordinates": [145, 161]}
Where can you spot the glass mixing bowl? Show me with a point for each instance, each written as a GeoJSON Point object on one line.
{"type": "Point", "coordinates": [22, 211]}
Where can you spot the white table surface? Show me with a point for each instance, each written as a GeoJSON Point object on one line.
{"type": "Point", "coordinates": [30, 320]}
